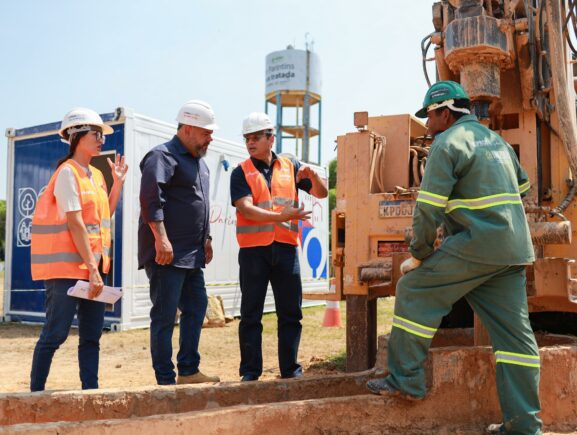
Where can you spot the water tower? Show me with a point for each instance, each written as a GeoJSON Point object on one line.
{"type": "Point", "coordinates": [293, 85]}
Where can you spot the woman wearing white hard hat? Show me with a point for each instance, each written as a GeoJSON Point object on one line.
{"type": "Point", "coordinates": [71, 241]}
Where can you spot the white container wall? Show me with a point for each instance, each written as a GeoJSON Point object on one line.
{"type": "Point", "coordinates": [32, 156]}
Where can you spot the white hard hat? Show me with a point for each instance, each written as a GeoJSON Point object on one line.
{"type": "Point", "coordinates": [198, 114]}
{"type": "Point", "coordinates": [80, 116]}
{"type": "Point", "coordinates": [256, 121]}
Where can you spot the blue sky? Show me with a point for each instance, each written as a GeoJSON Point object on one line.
{"type": "Point", "coordinates": [152, 56]}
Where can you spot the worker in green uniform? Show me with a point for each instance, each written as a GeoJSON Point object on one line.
{"type": "Point", "coordinates": [472, 185]}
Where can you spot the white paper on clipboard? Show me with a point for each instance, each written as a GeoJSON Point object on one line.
{"type": "Point", "coordinates": [109, 295]}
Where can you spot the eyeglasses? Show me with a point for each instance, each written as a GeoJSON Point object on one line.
{"type": "Point", "coordinates": [255, 137]}
{"type": "Point", "coordinates": [99, 136]}
{"type": "Point", "coordinates": [87, 128]}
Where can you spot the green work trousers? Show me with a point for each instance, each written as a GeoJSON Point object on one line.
{"type": "Point", "coordinates": [498, 295]}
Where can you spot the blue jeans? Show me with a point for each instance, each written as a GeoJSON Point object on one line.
{"type": "Point", "coordinates": [279, 264]}
{"type": "Point", "coordinates": [60, 311]}
{"type": "Point", "coordinates": [171, 288]}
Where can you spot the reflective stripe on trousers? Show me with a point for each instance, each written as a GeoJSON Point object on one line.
{"type": "Point", "coordinates": [517, 359]}
{"type": "Point", "coordinates": [413, 327]}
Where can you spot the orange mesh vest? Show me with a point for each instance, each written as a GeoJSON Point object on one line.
{"type": "Point", "coordinates": [283, 191]}
{"type": "Point", "coordinates": [53, 253]}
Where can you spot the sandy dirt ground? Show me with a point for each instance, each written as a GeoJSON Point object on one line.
{"type": "Point", "coordinates": [125, 356]}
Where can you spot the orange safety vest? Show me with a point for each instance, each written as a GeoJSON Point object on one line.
{"type": "Point", "coordinates": [283, 191]}
{"type": "Point", "coordinates": [53, 252]}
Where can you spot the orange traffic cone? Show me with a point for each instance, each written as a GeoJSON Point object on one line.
{"type": "Point", "coordinates": [332, 315]}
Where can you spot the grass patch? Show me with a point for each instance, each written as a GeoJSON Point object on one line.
{"type": "Point", "coordinates": [323, 350]}
{"type": "Point", "coordinates": [331, 363]}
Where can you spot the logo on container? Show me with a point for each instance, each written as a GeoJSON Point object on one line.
{"type": "Point", "coordinates": [27, 198]}
{"type": "Point", "coordinates": [313, 237]}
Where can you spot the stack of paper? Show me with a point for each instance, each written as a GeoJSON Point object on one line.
{"type": "Point", "coordinates": [109, 295]}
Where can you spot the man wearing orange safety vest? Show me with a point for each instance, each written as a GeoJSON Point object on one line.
{"type": "Point", "coordinates": [264, 191]}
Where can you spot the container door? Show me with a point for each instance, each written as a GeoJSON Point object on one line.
{"type": "Point", "coordinates": [35, 160]}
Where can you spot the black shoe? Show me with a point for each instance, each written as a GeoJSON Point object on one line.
{"type": "Point", "coordinates": [248, 378]}
{"type": "Point", "coordinates": [164, 383]}
{"type": "Point", "coordinates": [295, 375]}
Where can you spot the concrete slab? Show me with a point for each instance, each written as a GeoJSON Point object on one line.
{"type": "Point", "coordinates": [342, 415]}
{"type": "Point", "coordinates": [115, 404]}
{"type": "Point", "coordinates": [463, 376]}
{"type": "Point", "coordinates": [462, 399]}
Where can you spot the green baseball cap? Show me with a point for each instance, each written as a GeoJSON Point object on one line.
{"type": "Point", "coordinates": [442, 91]}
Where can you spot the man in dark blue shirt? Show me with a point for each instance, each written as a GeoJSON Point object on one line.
{"type": "Point", "coordinates": [264, 192]}
{"type": "Point", "coordinates": [174, 242]}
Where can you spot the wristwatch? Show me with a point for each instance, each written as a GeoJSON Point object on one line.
{"type": "Point", "coordinates": [209, 237]}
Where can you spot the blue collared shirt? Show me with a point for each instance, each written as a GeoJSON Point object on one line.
{"type": "Point", "coordinates": [174, 189]}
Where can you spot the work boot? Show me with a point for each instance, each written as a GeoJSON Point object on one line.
{"type": "Point", "coordinates": [197, 378]}
{"type": "Point", "coordinates": [382, 387]}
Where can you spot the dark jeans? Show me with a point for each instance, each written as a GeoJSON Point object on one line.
{"type": "Point", "coordinates": [171, 288]}
{"type": "Point", "coordinates": [60, 311]}
{"type": "Point", "coordinates": [279, 264]}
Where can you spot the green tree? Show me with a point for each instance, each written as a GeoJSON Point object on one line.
{"type": "Point", "coordinates": [2, 228]}
{"type": "Point", "coordinates": [333, 174]}
{"type": "Point", "coordinates": [332, 184]}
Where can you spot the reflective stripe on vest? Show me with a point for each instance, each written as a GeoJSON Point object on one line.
{"type": "Point", "coordinates": [57, 257]}
{"type": "Point", "coordinates": [524, 187]}
{"type": "Point", "coordinates": [282, 192]}
{"type": "Point", "coordinates": [291, 226]}
{"type": "Point", "coordinates": [63, 257]}
{"type": "Point", "coordinates": [255, 229]}
{"type": "Point", "coordinates": [286, 201]}
{"type": "Point", "coordinates": [55, 229]}
{"type": "Point", "coordinates": [413, 327]}
{"type": "Point", "coordinates": [264, 204]}
{"type": "Point", "coordinates": [53, 252]}
{"type": "Point", "coordinates": [518, 359]}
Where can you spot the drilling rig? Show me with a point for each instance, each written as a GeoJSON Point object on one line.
{"type": "Point", "coordinates": [515, 59]}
